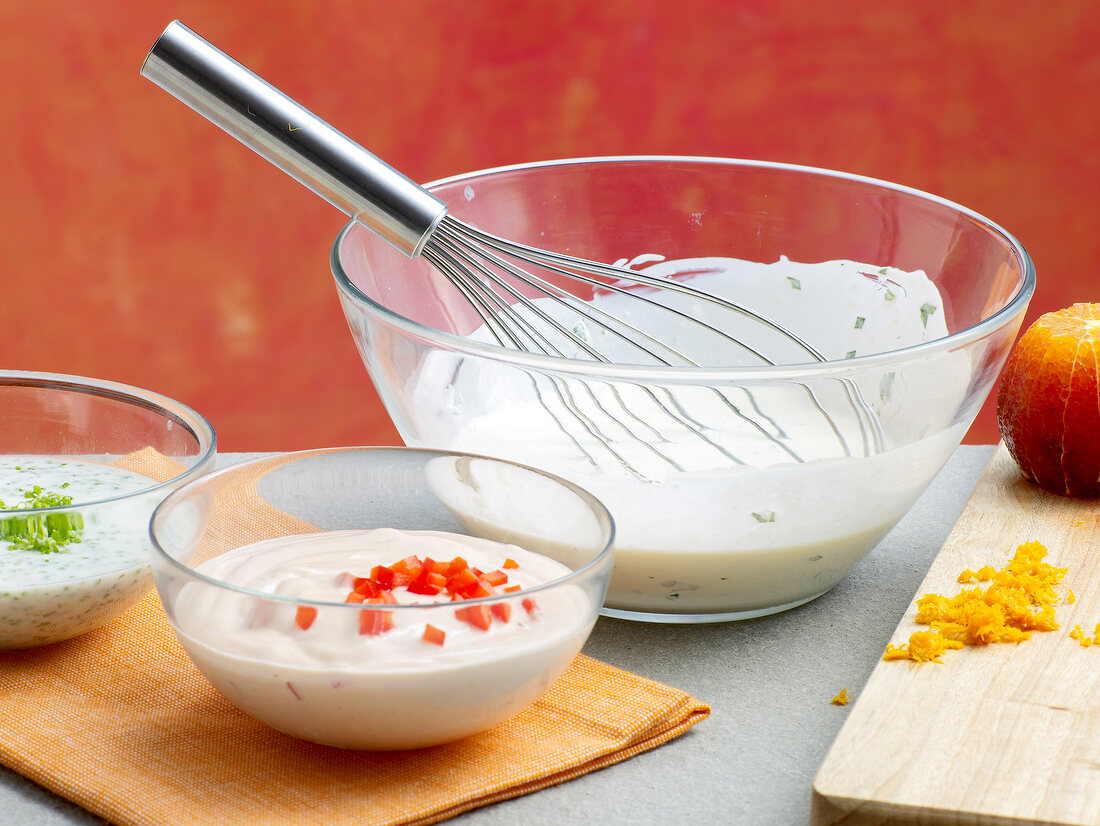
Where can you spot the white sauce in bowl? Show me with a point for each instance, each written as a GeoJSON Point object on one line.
{"type": "Point", "coordinates": [775, 502]}
{"type": "Point", "coordinates": [331, 684]}
{"type": "Point", "coordinates": [48, 597]}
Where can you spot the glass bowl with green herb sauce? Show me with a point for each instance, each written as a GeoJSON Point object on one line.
{"type": "Point", "coordinates": [83, 463]}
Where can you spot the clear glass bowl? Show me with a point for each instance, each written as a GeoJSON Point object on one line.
{"type": "Point", "coordinates": [56, 430]}
{"type": "Point", "coordinates": [738, 488]}
{"type": "Point", "coordinates": [370, 675]}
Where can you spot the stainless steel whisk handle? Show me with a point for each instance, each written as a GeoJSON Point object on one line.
{"type": "Point", "coordinates": [292, 138]}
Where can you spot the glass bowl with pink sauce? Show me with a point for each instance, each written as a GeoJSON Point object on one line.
{"type": "Point", "coordinates": [381, 598]}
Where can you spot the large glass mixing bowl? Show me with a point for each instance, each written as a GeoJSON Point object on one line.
{"type": "Point", "coordinates": [739, 488]}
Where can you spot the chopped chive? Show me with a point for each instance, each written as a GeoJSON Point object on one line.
{"type": "Point", "coordinates": [42, 532]}
{"type": "Point", "coordinates": [925, 311]}
{"type": "Point", "coordinates": [887, 386]}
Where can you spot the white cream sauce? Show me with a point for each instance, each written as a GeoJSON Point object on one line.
{"type": "Point", "coordinates": [746, 498]}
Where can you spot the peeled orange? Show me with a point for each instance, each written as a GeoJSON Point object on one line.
{"type": "Point", "coordinates": [1048, 403]}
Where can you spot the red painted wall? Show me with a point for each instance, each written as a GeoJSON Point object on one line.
{"type": "Point", "coordinates": [140, 244]}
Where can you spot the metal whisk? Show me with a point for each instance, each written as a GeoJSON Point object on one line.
{"type": "Point", "coordinates": [487, 270]}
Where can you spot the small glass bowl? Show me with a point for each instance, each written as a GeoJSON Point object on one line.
{"type": "Point", "coordinates": [739, 488]}
{"type": "Point", "coordinates": [66, 569]}
{"type": "Point", "coordinates": [368, 675]}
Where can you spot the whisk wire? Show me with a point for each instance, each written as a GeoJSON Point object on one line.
{"type": "Point", "coordinates": [496, 312]}
{"type": "Point", "coordinates": [578, 269]}
{"type": "Point", "coordinates": [483, 253]}
{"type": "Point", "coordinates": [460, 264]}
{"type": "Point", "coordinates": [455, 234]}
{"type": "Point", "coordinates": [476, 258]}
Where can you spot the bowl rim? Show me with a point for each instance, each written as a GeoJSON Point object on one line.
{"type": "Point", "coordinates": [197, 424]}
{"type": "Point", "coordinates": [1014, 307]}
{"type": "Point", "coordinates": [287, 458]}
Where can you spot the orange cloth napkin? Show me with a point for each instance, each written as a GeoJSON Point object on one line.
{"type": "Point", "coordinates": [120, 722]}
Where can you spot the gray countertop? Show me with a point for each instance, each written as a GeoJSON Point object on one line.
{"type": "Point", "coordinates": [768, 682]}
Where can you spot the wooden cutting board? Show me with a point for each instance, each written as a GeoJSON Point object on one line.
{"type": "Point", "coordinates": [1002, 734]}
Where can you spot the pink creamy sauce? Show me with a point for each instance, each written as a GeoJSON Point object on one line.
{"type": "Point", "coordinates": [331, 684]}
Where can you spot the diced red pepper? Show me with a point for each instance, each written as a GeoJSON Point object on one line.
{"type": "Point", "coordinates": [462, 582]}
{"type": "Point", "coordinates": [495, 578]}
{"type": "Point", "coordinates": [434, 635]}
{"type": "Point", "coordinates": [428, 582]}
{"type": "Point", "coordinates": [479, 590]}
{"type": "Point", "coordinates": [304, 616]}
{"type": "Point", "coordinates": [368, 588]}
{"type": "Point", "coordinates": [374, 622]}
{"type": "Point", "coordinates": [454, 566]}
{"type": "Point", "coordinates": [382, 576]}
{"type": "Point", "coordinates": [479, 616]}
{"type": "Point", "coordinates": [430, 577]}
{"type": "Point", "coordinates": [407, 565]}
{"type": "Point", "coordinates": [529, 605]}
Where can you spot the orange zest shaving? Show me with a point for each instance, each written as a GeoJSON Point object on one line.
{"type": "Point", "coordinates": [1019, 599]}
{"type": "Point", "coordinates": [983, 574]}
{"type": "Point", "coordinates": [1082, 640]}
{"type": "Point", "coordinates": [841, 699]}
{"type": "Point", "coordinates": [1079, 635]}
{"type": "Point", "coordinates": [923, 647]}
